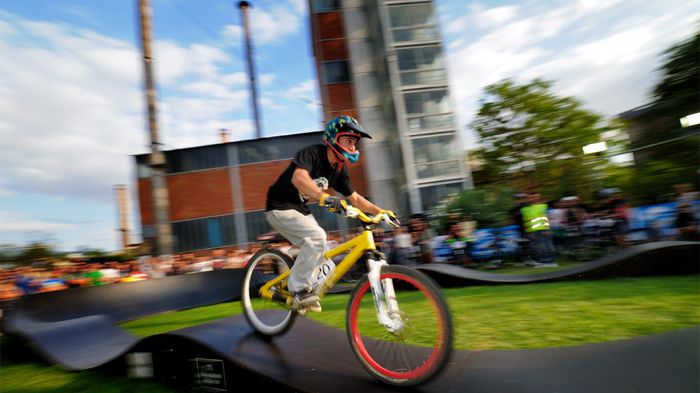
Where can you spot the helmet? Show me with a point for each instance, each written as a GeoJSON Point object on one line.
{"type": "Point", "coordinates": [343, 126]}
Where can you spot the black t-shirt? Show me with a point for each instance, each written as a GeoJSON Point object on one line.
{"type": "Point", "coordinates": [282, 195]}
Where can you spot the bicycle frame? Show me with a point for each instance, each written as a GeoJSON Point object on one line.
{"type": "Point", "coordinates": [356, 247]}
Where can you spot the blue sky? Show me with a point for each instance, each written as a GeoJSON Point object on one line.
{"type": "Point", "coordinates": [72, 111]}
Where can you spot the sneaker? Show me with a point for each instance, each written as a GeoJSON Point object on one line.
{"type": "Point", "coordinates": [306, 301]}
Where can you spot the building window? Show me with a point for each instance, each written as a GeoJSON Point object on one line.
{"type": "Point", "coordinates": [261, 150]}
{"type": "Point", "coordinates": [256, 224]}
{"type": "Point", "coordinates": [436, 156]}
{"type": "Point", "coordinates": [335, 72]}
{"type": "Point", "coordinates": [414, 22]}
{"type": "Point", "coordinates": [423, 65]}
{"type": "Point", "coordinates": [198, 158]}
{"type": "Point", "coordinates": [431, 102]}
{"type": "Point", "coordinates": [432, 196]}
{"type": "Point", "coordinates": [214, 238]}
{"type": "Point", "coordinates": [325, 5]}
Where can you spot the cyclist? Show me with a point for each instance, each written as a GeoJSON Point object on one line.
{"type": "Point", "coordinates": [307, 179]}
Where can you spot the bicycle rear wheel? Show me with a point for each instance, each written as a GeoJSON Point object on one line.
{"type": "Point", "coordinates": [417, 351]}
{"type": "Point", "coordinates": [267, 317]}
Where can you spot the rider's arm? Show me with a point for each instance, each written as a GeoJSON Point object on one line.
{"type": "Point", "coordinates": [301, 179]}
{"type": "Point", "coordinates": [363, 204]}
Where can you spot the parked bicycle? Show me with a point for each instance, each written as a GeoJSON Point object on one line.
{"type": "Point", "coordinates": [397, 321]}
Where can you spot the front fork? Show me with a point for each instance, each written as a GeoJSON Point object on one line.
{"type": "Point", "coordinates": [384, 296]}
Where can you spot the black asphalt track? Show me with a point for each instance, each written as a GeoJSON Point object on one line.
{"type": "Point", "coordinates": [649, 259]}
{"type": "Point", "coordinates": [314, 358]}
{"type": "Point", "coordinates": [77, 330]}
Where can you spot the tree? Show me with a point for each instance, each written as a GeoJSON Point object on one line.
{"type": "Point", "coordinates": [487, 205]}
{"type": "Point", "coordinates": [533, 139]}
{"type": "Point", "coordinates": [665, 152]}
{"type": "Point", "coordinates": [35, 252]}
{"type": "Point", "coordinates": [677, 94]}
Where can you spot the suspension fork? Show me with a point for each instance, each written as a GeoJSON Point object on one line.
{"type": "Point", "coordinates": [383, 294]}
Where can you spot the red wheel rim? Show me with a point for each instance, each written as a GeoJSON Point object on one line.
{"type": "Point", "coordinates": [359, 344]}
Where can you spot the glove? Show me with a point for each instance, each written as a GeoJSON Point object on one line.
{"type": "Point", "coordinates": [333, 204]}
{"type": "Point", "coordinates": [392, 220]}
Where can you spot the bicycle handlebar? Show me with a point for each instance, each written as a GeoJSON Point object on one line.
{"type": "Point", "coordinates": [353, 212]}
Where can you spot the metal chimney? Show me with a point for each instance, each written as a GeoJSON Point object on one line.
{"type": "Point", "coordinates": [123, 206]}
{"type": "Point", "coordinates": [244, 6]}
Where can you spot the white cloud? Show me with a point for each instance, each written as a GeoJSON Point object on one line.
{"type": "Point", "coordinates": [602, 52]}
{"type": "Point", "coordinates": [173, 61]}
{"type": "Point", "coordinates": [73, 110]}
{"type": "Point", "coordinates": [266, 79]}
{"type": "Point", "coordinates": [17, 223]}
{"type": "Point", "coordinates": [268, 26]}
{"type": "Point", "coordinates": [303, 90]}
{"type": "Point", "coordinates": [491, 17]}
{"type": "Point", "coordinates": [232, 34]}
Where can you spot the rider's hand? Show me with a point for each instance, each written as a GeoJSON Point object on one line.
{"type": "Point", "coordinates": [392, 217]}
{"type": "Point", "coordinates": [333, 204]}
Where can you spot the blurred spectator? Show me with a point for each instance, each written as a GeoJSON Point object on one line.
{"type": "Point", "coordinates": [573, 217]}
{"type": "Point", "coordinates": [685, 193]}
{"type": "Point", "coordinates": [458, 243]}
{"type": "Point", "coordinates": [515, 215]}
{"type": "Point", "coordinates": [556, 222]}
{"type": "Point", "coordinates": [422, 236]}
{"type": "Point", "coordinates": [403, 246]}
{"type": "Point", "coordinates": [686, 223]}
{"type": "Point", "coordinates": [617, 209]}
{"type": "Point", "coordinates": [468, 227]}
{"type": "Point", "coordinates": [538, 230]}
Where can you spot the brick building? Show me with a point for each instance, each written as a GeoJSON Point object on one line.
{"type": "Point", "coordinates": [217, 192]}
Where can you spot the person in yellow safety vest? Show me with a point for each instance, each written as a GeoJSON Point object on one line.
{"type": "Point", "coordinates": [537, 229]}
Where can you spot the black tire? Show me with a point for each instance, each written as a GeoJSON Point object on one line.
{"type": "Point", "coordinates": [396, 358]}
{"type": "Point", "coordinates": [267, 317]}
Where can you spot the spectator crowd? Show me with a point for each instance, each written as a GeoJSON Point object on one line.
{"type": "Point", "coordinates": [539, 231]}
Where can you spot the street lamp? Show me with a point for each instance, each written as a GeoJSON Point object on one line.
{"type": "Point", "coordinates": [595, 148]}
{"type": "Point", "coordinates": [690, 120]}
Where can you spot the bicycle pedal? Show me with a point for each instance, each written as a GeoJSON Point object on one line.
{"type": "Point", "coordinates": [302, 311]}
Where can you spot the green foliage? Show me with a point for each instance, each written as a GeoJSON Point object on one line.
{"type": "Point", "coordinates": [533, 139]}
{"type": "Point", "coordinates": [487, 205]}
{"type": "Point", "coordinates": [654, 180]}
{"type": "Point", "coordinates": [678, 92]}
{"type": "Point", "coordinates": [34, 252]}
{"type": "Point", "coordinates": [662, 163]}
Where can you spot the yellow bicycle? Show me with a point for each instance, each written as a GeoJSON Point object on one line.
{"type": "Point", "coordinates": [401, 333]}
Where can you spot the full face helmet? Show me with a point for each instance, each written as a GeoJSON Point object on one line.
{"type": "Point", "coordinates": [343, 126]}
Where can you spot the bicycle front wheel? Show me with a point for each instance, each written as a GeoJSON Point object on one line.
{"type": "Point", "coordinates": [267, 317]}
{"type": "Point", "coordinates": [418, 346]}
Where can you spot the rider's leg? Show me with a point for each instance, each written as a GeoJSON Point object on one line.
{"type": "Point", "coordinates": [304, 232]}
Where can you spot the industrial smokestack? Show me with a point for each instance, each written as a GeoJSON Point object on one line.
{"type": "Point", "coordinates": [159, 190]}
{"type": "Point", "coordinates": [123, 208]}
{"type": "Point", "coordinates": [244, 6]}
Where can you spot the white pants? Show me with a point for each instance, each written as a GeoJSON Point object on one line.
{"type": "Point", "coordinates": [304, 232]}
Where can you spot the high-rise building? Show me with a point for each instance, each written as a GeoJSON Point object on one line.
{"type": "Point", "coordinates": [382, 61]}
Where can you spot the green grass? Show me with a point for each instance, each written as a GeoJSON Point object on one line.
{"type": "Point", "coordinates": [485, 317]}
{"type": "Point", "coordinates": [521, 316]}
{"type": "Point", "coordinates": [27, 376]}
